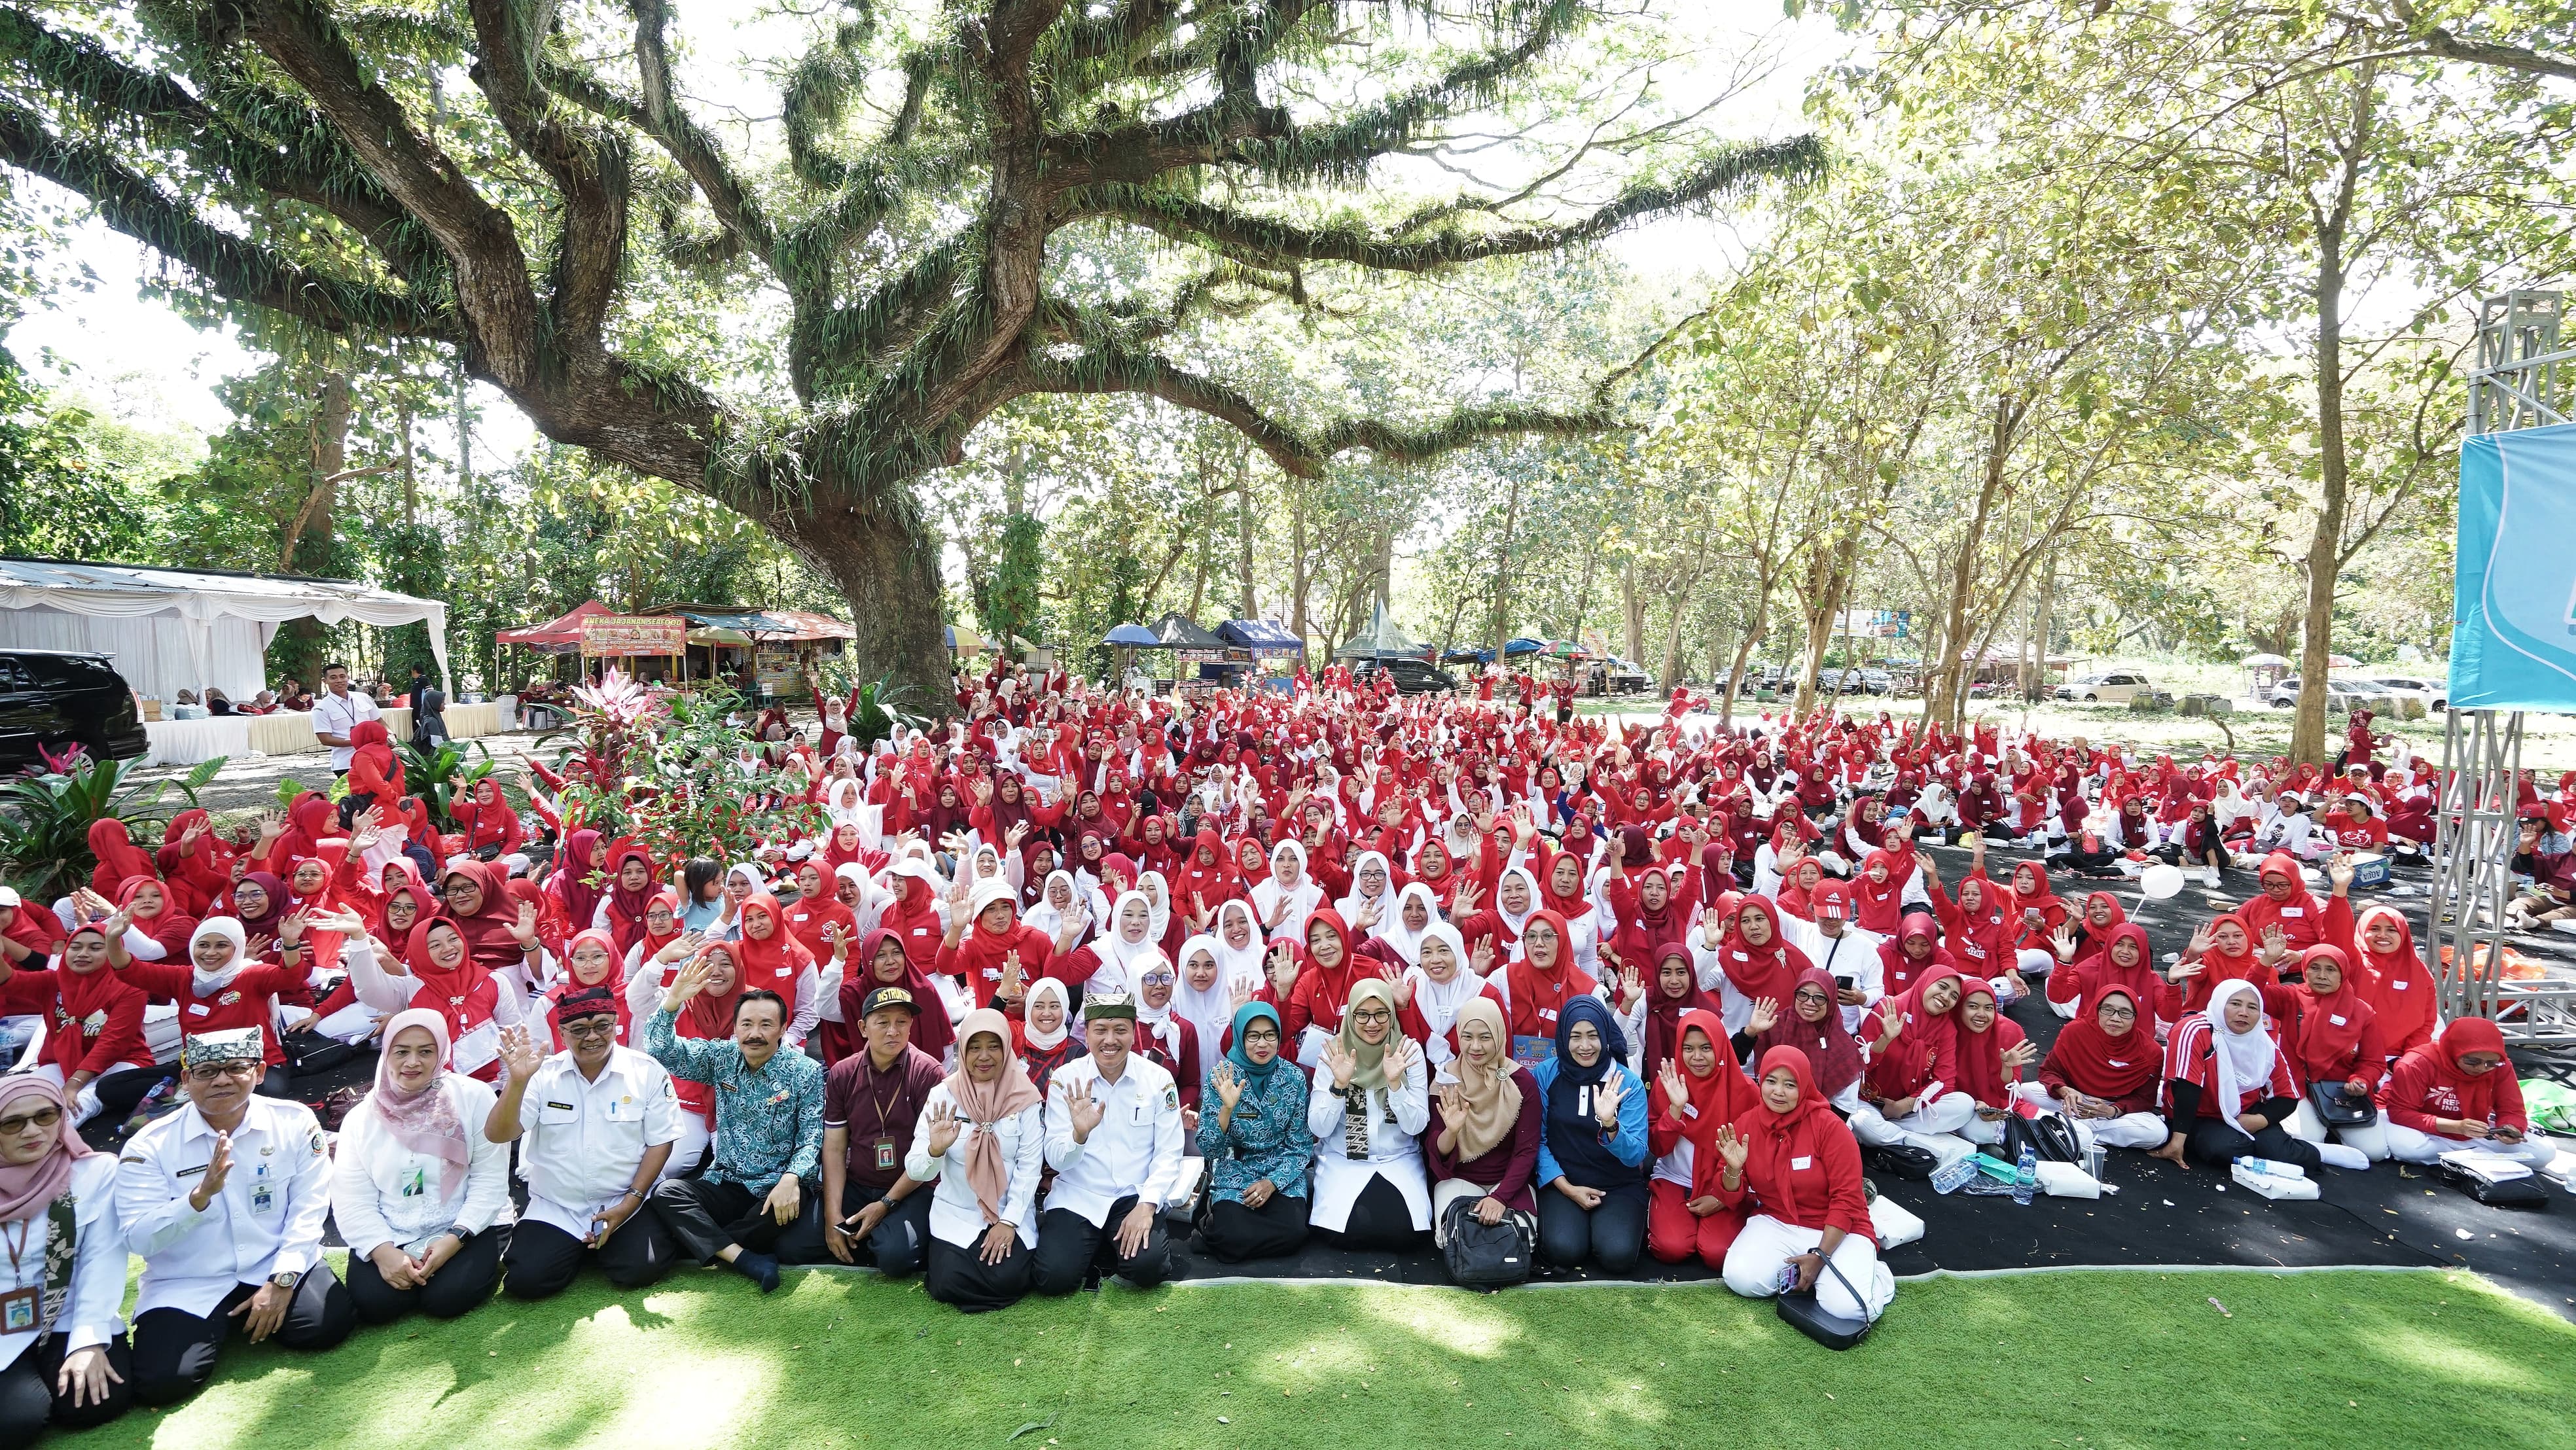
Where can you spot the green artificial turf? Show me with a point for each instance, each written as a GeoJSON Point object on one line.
{"type": "Point", "coordinates": [836, 1359]}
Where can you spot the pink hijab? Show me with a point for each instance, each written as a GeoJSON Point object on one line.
{"type": "Point", "coordinates": [26, 1188]}
{"type": "Point", "coordinates": [424, 1122]}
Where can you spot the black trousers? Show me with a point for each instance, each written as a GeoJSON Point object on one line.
{"type": "Point", "coordinates": [120, 1089]}
{"type": "Point", "coordinates": [1380, 1219]}
{"type": "Point", "coordinates": [900, 1241]}
{"type": "Point", "coordinates": [28, 1402]}
{"type": "Point", "coordinates": [1612, 1235]}
{"type": "Point", "coordinates": [2218, 1144]}
{"type": "Point", "coordinates": [704, 1216]}
{"type": "Point", "coordinates": [460, 1285]}
{"type": "Point", "coordinates": [960, 1277]}
{"type": "Point", "coordinates": [174, 1350]}
{"type": "Point", "coordinates": [1274, 1230]}
{"type": "Point", "coordinates": [1069, 1248]}
{"type": "Point", "coordinates": [542, 1259]}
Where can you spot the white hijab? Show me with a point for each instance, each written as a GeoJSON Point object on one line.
{"type": "Point", "coordinates": [2244, 1059]}
{"type": "Point", "coordinates": [1211, 1011]}
{"type": "Point", "coordinates": [1352, 905]}
{"type": "Point", "coordinates": [1121, 960]}
{"type": "Point", "coordinates": [1162, 909]}
{"type": "Point", "coordinates": [1046, 916]}
{"type": "Point", "coordinates": [1301, 899]}
{"type": "Point", "coordinates": [1392, 931]}
{"type": "Point", "coordinates": [1247, 962]}
{"type": "Point", "coordinates": [1048, 986]}
{"type": "Point", "coordinates": [206, 984]}
{"type": "Point", "coordinates": [1438, 1002]}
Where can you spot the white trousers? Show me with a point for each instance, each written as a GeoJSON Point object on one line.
{"type": "Point", "coordinates": [695, 1133]}
{"type": "Point", "coordinates": [2370, 1139]}
{"type": "Point", "coordinates": [2407, 1145]}
{"type": "Point", "coordinates": [2129, 1130]}
{"type": "Point", "coordinates": [352, 1024]}
{"type": "Point", "coordinates": [2032, 962]}
{"type": "Point", "coordinates": [1753, 1267]}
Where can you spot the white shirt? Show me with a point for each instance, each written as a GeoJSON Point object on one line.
{"type": "Point", "coordinates": [266, 1221]}
{"type": "Point", "coordinates": [1136, 1149]}
{"type": "Point", "coordinates": [88, 1313]}
{"type": "Point", "coordinates": [384, 1193]}
{"type": "Point", "coordinates": [1394, 1149]}
{"type": "Point", "coordinates": [585, 1138]}
{"type": "Point", "coordinates": [340, 714]}
{"type": "Point", "coordinates": [955, 1216]}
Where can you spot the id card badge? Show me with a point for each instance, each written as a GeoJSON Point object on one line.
{"type": "Point", "coordinates": [261, 1199]}
{"type": "Point", "coordinates": [1528, 1050]}
{"type": "Point", "coordinates": [18, 1311]}
{"type": "Point", "coordinates": [885, 1155]}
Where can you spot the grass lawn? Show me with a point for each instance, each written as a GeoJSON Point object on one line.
{"type": "Point", "coordinates": [837, 1359]}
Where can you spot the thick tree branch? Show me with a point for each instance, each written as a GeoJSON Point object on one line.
{"type": "Point", "coordinates": [589, 172]}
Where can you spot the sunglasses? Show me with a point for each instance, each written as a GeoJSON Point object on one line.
{"type": "Point", "coordinates": [40, 1118]}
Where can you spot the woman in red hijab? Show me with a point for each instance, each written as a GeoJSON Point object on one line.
{"type": "Point", "coordinates": [631, 887]}
{"type": "Point", "coordinates": [1795, 1168]}
{"type": "Point", "coordinates": [1650, 1015]}
{"type": "Point", "coordinates": [881, 962]}
{"type": "Point", "coordinates": [2389, 973]}
{"type": "Point", "coordinates": [591, 960]}
{"type": "Point", "coordinates": [1989, 1054]}
{"type": "Point", "coordinates": [1755, 961]}
{"type": "Point", "coordinates": [1911, 1092]}
{"type": "Point", "coordinates": [118, 857]}
{"type": "Point", "coordinates": [1913, 953]}
{"type": "Point", "coordinates": [2458, 1091]}
{"type": "Point", "coordinates": [2101, 1074]}
{"type": "Point", "coordinates": [770, 958]}
{"type": "Point", "coordinates": [1698, 1089]}
{"type": "Point", "coordinates": [194, 861]}
{"type": "Point", "coordinates": [2103, 915]}
{"type": "Point", "coordinates": [1812, 1022]}
{"type": "Point", "coordinates": [146, 901]}
{"type": "Point", "coordinates": [1534, 988]}
{"type": "Point", "coordinates": [2333, 1039]}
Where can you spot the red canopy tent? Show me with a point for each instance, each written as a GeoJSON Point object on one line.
{"type": "Point", "coordinates": [561, 636]}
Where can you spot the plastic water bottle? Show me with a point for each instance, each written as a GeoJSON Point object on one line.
{"type": "Point", "coordinates": [2272, 1166]}
{"type": "Point", "coordinates": [1949, 1176]}
{"type": "Point", "coordinates": [2025, 1176]}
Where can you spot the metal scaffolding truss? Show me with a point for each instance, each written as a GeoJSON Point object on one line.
{"type": "Point", "coordinates": [2516, 384]}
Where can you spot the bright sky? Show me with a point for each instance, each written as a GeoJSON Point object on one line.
{"type": "Point", "coordinates": [140, 362]}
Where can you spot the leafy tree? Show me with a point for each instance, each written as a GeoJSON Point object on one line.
{"type": "Point", "coordinates": [577, 233]}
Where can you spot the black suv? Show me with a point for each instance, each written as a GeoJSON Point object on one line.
{"type": "Point", "coordinates": [1411, 676]}
{"type": "Point", "coordinates": [58, 698]}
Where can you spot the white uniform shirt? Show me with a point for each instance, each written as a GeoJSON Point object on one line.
{"type": "Point", "coordinates": [266, 1221]}
{"type": "Point", "coordinates": [88, 1315]}
{"type": "Point", "coordinates": [1394, 1148]}
{"type": "Point", "coordinates": [585, 1139]}
{"type": "Point", "coordinates": [1136, 1149]}
{"type": "Point", "coordinates": [956, 1218]}
{"type": "Point", "coordinates": [340, 714]}
{"type": "Point", "coordinates": [384, 1193]}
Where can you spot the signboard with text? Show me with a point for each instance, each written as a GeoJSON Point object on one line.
{"type": "Point", "coordinates": [629, 634]}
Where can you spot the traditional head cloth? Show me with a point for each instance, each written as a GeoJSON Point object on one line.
{"type": "Point", "coordinates": [1828, 1044]}
{"type": "Point", "coordinates": [2243, 1059]}
{"type": "Point", "coordinates": [424, 1122]}
{"type": "Point", "coordinates": [1108, 1007]}
{"type": "Point", "coordinates": [1370, 1074]}
{"type": "Point", "coordinates": [1046, 987]}
{"type": "Point", "coordinates": [1243, 1017]}
{"type": "Point", "coordinates": [986, 1104]}
{"type": "Point", "coordinates": [1489, 1098]}
{"type": "Point", "coordinates": [27, 1189]}
{"type": "Point", "coordinates": [582, 1002]}
{"type": "Point", "coordinates": [233, 1044]}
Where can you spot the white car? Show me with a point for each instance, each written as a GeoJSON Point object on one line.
{"type": "Point", "coordinates": [2436, 694]}
{"type": "Point", "coordinates": [2115, 688]}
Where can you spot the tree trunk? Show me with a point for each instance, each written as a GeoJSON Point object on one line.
{"type": "Point", "coordinates": [1829, 582]}
{"type": "Point", "coordinates": [2325, 544]}
{"type": "Point", "coordinates": [1297, 580]}
{"type": "Point", "coordinates": [299, 644]}
{"type": "Point", "coordinates": [1963, 576]}
{"type": "Point", "coordinates": [2043, 625]}
{"type": "Point", "coordinates": [1583, 591]}
{"type": "Point", "coordinates": [1503, 570]}
{"type": "Point", "coordinates": [888, 565]}
{"type": "Point", "coordinates": [1243, 535]}
{"type": "Point", "coordinates": [1671, 673]}
{"type": "Point", "coordinates": [1633, 609]}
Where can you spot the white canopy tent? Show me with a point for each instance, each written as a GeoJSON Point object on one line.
{"type": "Point", "coordinates": [180, 629]}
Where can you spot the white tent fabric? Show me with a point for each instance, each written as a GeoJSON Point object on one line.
{"type": "Point", "coordinates": [175, 629]}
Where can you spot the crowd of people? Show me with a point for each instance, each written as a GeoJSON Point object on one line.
{"type": "Point", "coordinates": [1076, 981]}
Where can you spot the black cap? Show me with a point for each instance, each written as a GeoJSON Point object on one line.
{"type": "Point", "coordinates": [879, 998]}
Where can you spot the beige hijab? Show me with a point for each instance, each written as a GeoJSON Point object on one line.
{"type": "Point", "coordinates": [1491, 1097]}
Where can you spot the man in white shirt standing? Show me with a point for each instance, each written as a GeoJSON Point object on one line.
{"type": "Point", "coordinates": [600, 1120]}
{"type": "Point", "coordinates": [337, 711]}
{"type": "Point", "coordinates": [1113, 1136]}
{"type": "Point", "coordinates": [224, 1200]}
{"type": "Point", "coordinates": [1847, 952]}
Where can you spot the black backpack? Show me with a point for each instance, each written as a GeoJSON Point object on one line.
{"type": "Point", "coordinates": [1480, 1255]}
{"type": "Point", "coordinates": [2051, 1138]}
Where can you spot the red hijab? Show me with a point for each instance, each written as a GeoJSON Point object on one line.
{"type": "Point", "coordinates": [2331, 1023]}
{"type": "Point", "coordinates": [2098, 1064]}
{"type": "Point", "coordinates": [1769, 970]}
{"type": "Point", "coordinates": [1664, 1011]}
{"type": "Point", "coordinates": [1804, 1164]}
{"type": "Point", "coordinates": [932, 1032]}
{"type": "Point", "coordinates": [614, 979]}
{"type": "Point", "coordinates": [1829, 1045]}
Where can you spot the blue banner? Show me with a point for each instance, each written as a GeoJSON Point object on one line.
{"type": "Point", "coordinates": [2513, 602]}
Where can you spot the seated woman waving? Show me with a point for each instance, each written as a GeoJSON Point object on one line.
{"type": "Point", "coordinates": [1795, 1168]}
{"type": "Point", "coordinates": [1370, 1191]}
{"type": "Point", "coordinates": [417, 1185]}
{"type": "Point", "coordinates": [1701, 1090]}
{"type": "Point", "coordinates": [1592, 1144]}
{"type": "Point", "coordinates": [1257, 1143]}
{"type": "Point", "coordinates": [1482, 1145]}
{"type": "Point", "coordinates": [982, 1138]}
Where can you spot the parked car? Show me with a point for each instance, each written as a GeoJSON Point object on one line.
{"type": "Point", "coordinates": [2110, 689]}
{"type": "Point", "coordinates": [2285, 694]}
{"type": "Point", "coordinates": [2436, 694]}
{"type": "Point", "coordinates": [1411, 676]}
{"type": "Point", "coordinates": [60, 698]}
{"type": "Point", "coordinates": [1625, 677]}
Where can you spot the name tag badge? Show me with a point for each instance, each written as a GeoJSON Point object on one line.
{"type": "Point", "coordinates": [885, 1155]}
{"type": "Point", "coordinates": [18, 1311]}
{"type": "Point", "coordinates": [200, 1009]}
{"type": "Point", "coordinates": [2338, 1021]}
{"type": "Point", "coordinates": [1801, 1165]}
{"type": "Point", "coordinates": [2115, 1062]}
{"type": "Point", "coordinates": [2294, 911]}
{"type": "Point", "coordinates": [2401, 984]}
{"type": "Point", "coordinates": [261, 1200]}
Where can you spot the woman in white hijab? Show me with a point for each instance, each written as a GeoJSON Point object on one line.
{"type": "Point", "coordinates": [1158, 895]}
{"type": "Point", "coordinates": [1283, 902]}
{"type": "Point", "coordinates": [1416, 911]}
{"type": "Point", "coordinates": [1055, 903]}
{"type": "Point", "coordinates": [1122, 950]}
{"type": "Point", "coordinates": [1207, 994]}
{"type": "Point", "coordinates": [1372, 885]}
{"type": "Point", "coordinates": [1438, 983]}
{"type": "Point", "coordinates": [1239, 947]}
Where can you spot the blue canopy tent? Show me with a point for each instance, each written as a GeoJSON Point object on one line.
{"type": "Point", "coordinates": [1511, 648]}
{"type": "Point", "coordinates": [1261, 638]}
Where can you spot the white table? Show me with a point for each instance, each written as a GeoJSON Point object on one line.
{"type": "Point", "coordinates": [186, 742]}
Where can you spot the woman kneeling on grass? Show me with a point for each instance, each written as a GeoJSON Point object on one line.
{"type": "Point", "coordinates": [1795, 1168]}
{"type": "Point", "coordinates": [416, 1185]}
{"type": "Point", "coordinates": [1252, 1131]}
{"type": "Point", "coordinates": [982, 1137]}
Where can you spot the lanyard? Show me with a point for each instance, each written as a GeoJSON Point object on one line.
{"type": "Point", "coordinates": [15, 1236]}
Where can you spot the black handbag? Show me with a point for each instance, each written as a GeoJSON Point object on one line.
{"type": "Point", "coordinates": [1833, 1331]}
{"type": "Point", "coordinates": [2339, 1107]}
{"type": "Point", "coordinates": [1904, 1160]}
{"type": "Point", "coordinates": [2510, 1193]}
{"type": "Point", "coordinates": [2051, 1139]}
{"type": "Point", "coordinates": [1480, 1255]}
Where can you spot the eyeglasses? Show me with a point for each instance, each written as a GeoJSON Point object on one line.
{"type": "Point", "coordinates": [1159, 979]}
{"type": "Point", "coordinates": [1366, 1014]}
{"type": "Point", "coordinates": [40, 1118]}
{"type": "Point", "coordinates": [217, 1071]}
{"type": "Point", "coordinates": [1812, 995]}
{"type": "Point", "coordinates": [588, 1030]}
{"type": "Point", "coordinates": [2106, 1010]}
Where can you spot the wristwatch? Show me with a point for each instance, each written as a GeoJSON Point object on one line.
{"type": "Point", "coordinates": [461, 1233]}
{"type": "Point", "coordinates": [285, 1279]}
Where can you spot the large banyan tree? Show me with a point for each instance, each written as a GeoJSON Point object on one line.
{"type": "Point", "coordinates": [521, 180]}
